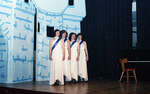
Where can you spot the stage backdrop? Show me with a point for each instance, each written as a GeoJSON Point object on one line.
{"type": "Point", "coordinates": [106, 29]}
{"type": "Point", "coordinates": [16, 41]}
{"type": "Point", "coordinates": [17, 21]}
{"type": "Point", "coordinates": [143, 30]}
{"type": "Point", "coordinates": [57, 14]}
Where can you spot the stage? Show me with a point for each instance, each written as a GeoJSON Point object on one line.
{"type": "Point", "coordinates": [92, 87]}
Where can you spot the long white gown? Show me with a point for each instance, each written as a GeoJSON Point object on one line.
{"type": "Point", "coordinates": [67, 71]}
{"type": "Point", "coordinates": [74, 63]}
{"type": "Point", "coordinates": [56, 71]}
{"type": "Point", "coordinates": [82, 63]}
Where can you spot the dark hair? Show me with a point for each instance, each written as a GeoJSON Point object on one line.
{"type": "Point", "coordinates": [56, 31]}
{"type": "Point", "coordinates": [70, 35]}
{"type": "Point", "coordinates": [62, 32]}
{"type": "Point", "coordinates": [79, 34]}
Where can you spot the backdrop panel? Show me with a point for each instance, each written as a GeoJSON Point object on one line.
{"type": "Point", "coordinates": [16, 31]}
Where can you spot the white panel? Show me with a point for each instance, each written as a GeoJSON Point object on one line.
{"type": "Point", "coordinates": [56, 6]}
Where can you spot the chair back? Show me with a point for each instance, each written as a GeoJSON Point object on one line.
{"type": "Point", "coordinates": [123, 61]}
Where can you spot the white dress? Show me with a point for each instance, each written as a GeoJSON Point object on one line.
{"type": "Point", "coordinates": [82, 63]}
{"type": "Point", "coordinates": [74, 63]}
{"type": "Point", "coordinates": [67, 71]}
{"type": "Point", "coordinates": [56, 71]}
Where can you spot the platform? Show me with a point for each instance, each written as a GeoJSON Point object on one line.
{"type": "Point", "coordinates": [92, 87]}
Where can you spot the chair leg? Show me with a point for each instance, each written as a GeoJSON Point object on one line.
{"type": "Point", "coordinates": [127, 72]}
{"type": "Point", "coordinates": [121, 76]}
{"type": "Point", "coordinates": [135, 75]}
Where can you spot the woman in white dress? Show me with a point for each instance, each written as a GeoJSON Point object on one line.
{"type": "Point", "coordinates": [75, 53]}
{"type": "Point", "coordinates": [67, 70]}
{"type": "Point", "coordinates": [82, 71]}
{"type": "Point", "coordinates": [57, 56]}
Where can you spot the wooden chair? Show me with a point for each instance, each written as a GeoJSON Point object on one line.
{"type": "Point", "coordinates": [127, 70]}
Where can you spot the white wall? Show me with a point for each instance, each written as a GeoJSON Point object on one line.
{"type": "Point", "coordinates": [79, 9]}
{"type": "Point", "coordinates": [55, 6]}
{"type": "Point", "coordinates": [23, 34]}
{"type": "Point", "coordinates": [6, 11]}
{"type": "Point", "coordinates": [18, 27]}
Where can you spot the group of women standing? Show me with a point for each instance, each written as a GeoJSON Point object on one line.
{"type": "Point", "coordinates": [68, 58]}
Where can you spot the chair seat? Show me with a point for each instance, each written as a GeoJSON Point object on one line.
{"type": "Point", "coordinates": [130, 69]}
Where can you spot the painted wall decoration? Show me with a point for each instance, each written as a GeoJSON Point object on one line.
{"type": "Point", "coordinates": [16, 41]}
{"type": "Point", "coordinates": [17, 35]}
{"type": "Point", "coordinates": [3, 58]}
{"type": "Point", "coordinates": [23, 34]}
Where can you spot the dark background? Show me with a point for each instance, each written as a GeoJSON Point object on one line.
{"type": "Point", "coordinates": [107, 29]}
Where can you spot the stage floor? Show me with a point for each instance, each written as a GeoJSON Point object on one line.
{"type": "Point", "coordinates": [92, 87]}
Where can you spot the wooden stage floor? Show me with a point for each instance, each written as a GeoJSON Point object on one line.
{"type": "Point", "coordinates": [92, 87]}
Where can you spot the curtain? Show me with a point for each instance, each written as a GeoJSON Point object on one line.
{"type": "Point", "coordinates": [143, 24]}
{"type": "Point", "coordinates": [106, 28]}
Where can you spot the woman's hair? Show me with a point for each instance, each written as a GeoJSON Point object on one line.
{"type": "Point", "coordinates": [62, 32]}
{"type": "Point", "coordinates": [70, 35]}
{"type": "Point", "coordinates": [79, 34]}
{"type": "Point", "coordinates": [56, 31]}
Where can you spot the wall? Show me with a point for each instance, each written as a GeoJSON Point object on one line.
{"type": "Point", "coordinates": [3, 58]}
{"type": "Point", "coordinates": [77, 10]}
{"type": "Point", "coordinates": [71, 23]}
{"type": "Point", "coordinates": [6, 23]}
{"type": "Point", "coordinates": [73, 15]}
{"type": "Point", "coordinates": [18, 19]}
{"type": "Point", "coordinates": [52, 6]}
{"type": "Point", "coordinates": [23, 37]}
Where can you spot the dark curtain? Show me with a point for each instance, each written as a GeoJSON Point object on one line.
{"type": "Point", "coordinates": [106, 28]}
{"type": "Point", "coordinates": [143, 24]}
